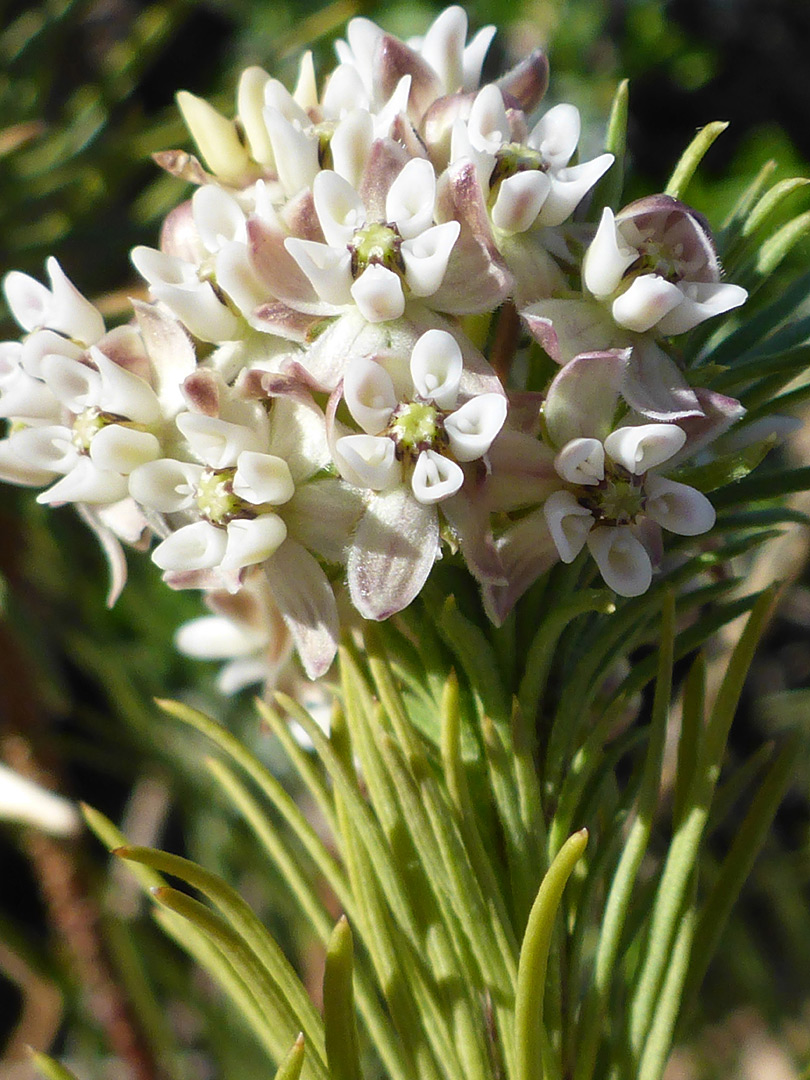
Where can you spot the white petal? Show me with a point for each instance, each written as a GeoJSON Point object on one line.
{"type": "Point", "coordinates": [646, 302]}
{"type": "Point", "coordinates": [581, 461]}
{"type": "Point", "coordinates": [23, 801]}
{"type": "Point", "coordinates": [43, 343]}
{"type": "Point", "coordinates": [121, 449]}
{"type": "Point", "coordinates": [411, 198]}
{"type": "Point", "coordinates": [556, 135]}
{"type": "Point", "coordinates": [218, 216]}
{"type": "Point", "coordinates": [237, 278]}
{"type": "Point", "coordinates": [124, 393]}
{"type": "Point", "coordinates": [488, 125]}
{"type": "Point", "coordinates": [351, 144]}
{"type": "Point", "coordinates": [607, 258]}
{"type": "Point", "coordinates": [378, 293]}
{"type": "Point", "coordinates": [443, 47]}
{"type": "Point", "coordinates": [253, 541]}
{"type": "Point", "coordinates": [28, 299]}
{"type": "Point", "coordinates": [701, 301]}
{"type": "Point", "coordinates": [167, 485]}
{"type": "Point", "coordinates": [16, 470]}
{"type": "Point", "coordinates": [340, 209]}
{"type": "Point", "coordinates": [278, 97]}
{"type": "Point", "coordinates": [568, 522]}
{"type": "Point", "coordinates": [23, 396]}
{"type": "Point", "coordinates": [677, 507]}
{"type": "Point", "coordinates": [263, 478]}
{"type": "Point", "coordinates": [328, 268]}
{"type": "Point", "coordinates": [569, 187]}
{"type": "Point", "coordinates": [158, 268]}
{"type": "Point", "coordinates": [216, 637]}
{"type": "Point", "coordinates": [295, 153]}
{"type": "Point", "coordinates": [85, 483]}
{"type": "Point", "coordinates": [306, 86]}
{"type": "Point", "coordinates": [200, 546]}
{"type": "Point", "coordinates": [435, 478]}
{"type": "Point", "coordinates": [200, 310]}
{"type": "Point", "coordinates": [472, 428]}
{"type": "Point", "coordinates": [436, 366]}
{"type": "Point", "coordinates": [644, 447]}
{"type": "Point", "coordinates": [217, 443]}
{"type": "Point", "coordinates": [75, 384]}
{"type": "Point", "coordinates": [49, 447]}
{"type": "Point", "coordinates": [344, 92]}
{"type": "Point", "coordinates": [70, 312]}
{"type": "Point", "coordinates": [250, 105]}
{"type": "Point", "coordinates": [520, 199]}
{"type": "Point", "coordinates": [369, 394]}
{"type": "Point", "coordinates": [474, 55]}
{"type": "Point", "coordinates": [426, 257]}
{"type": "Point", "coordinates": [371, 460]}
{"type": "Point", "coordinates": [622, 560]}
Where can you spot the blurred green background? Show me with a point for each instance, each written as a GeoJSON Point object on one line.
{"type": "Point", "coordinates": [86, 96]}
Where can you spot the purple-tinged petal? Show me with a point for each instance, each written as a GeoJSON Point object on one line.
{"type": "Point", "coordinates": [655, 387]}
{"type": "Point", "coordinates": [567, 328]}
{"type": "Point", "coordinates": [469, 519]}
{"type": "Point", "coordinates": [527, 82]}
{"type": "Point", "coordinates": [583, 396]}
{"type": "Point", "coordinates": [718, 413]}
{"type": "Point", "coordinates": [283, 321]}
{"type": "Point", "coordinates": [526, 551]}
{"type": "Point", "coordinates": [277, 268]}
{"type": "Point", "coordinates": [386, 161]}
{"type": "Point", "coordinates": [170, 351]}
{"type": "Point", "coordinates": [392, 553]}
{"type": "Point", "coordinates": [305, 599]}
{"type": "Point", "coordinates": [522, 472]}
{"type": "Point", "coordinates": [394, 59]}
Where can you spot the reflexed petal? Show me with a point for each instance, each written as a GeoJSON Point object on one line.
{"type": "Point", "coordinates": [85, 483]}
{"type": "Point", "coordinates": [488, 126]}
{"type": "Point", "coordinates": [218, 217]}
{"type": "Point", "coordinates": [607, 258]}
{"type": "Point", "coordinates": [436, 366]}
{"type": "Point", "coordinates": [426, 257]}
{"type": "Point", "coordinates": [656, 387]}
{"type": "Point", "coordinates": [520, 199]}
{"type": "Point", "coordinates": [435, 477]}
{"type": "Point", "coordinates": [677, 507]}
{"type": "Point", "coordinates": [701, 301]}
{"type": "Point", "coordinates": [340, 209]}
{"type": "Point", "coordinates": [200, 310]}
{"type": "Point", "coordinates": [166, 485]}
{"type": "Point", "coordinates": [200, 546]}
{"type": "Point", "coordinates": [371, 460]}
{"type": "Point", "coordinates": [369, 394]}
{"type": "Point", "coordinates": [568, 522]}
{"type": "Point", "coordinates": [622, 560]}
{"type": "Point", "coordinates": [472, 427]}
{"type": "Point", "coordinates": [121, 449]}
{"type": "Point", "coordinates": [411, 198]}
{"type": "Point", "coordinates": [646, 302]}
{"type": "Point", "coordinates": [393, 551]}
{"type": "Point", "coordinates": [443, 47]}
{"type": "Point", "coordinates": [123, 393]}
{"type": "Point", "coordinates": [644, 447]}
{"type": "Point", "coordinates": [582, 398]}
{"type": "Point", "coordinates": [378, 293]}
{"type": "Point", "coordinates": [237, 277]}
{"type": "Point", "coordinates": [75, 384]}
{"type": "Point", "coordinates": [473, 59]}
{"type": "Point", "coordinates": [556, 135]}
{"type": "Point", "coordinates": [581, 461]}
{"type": "Point", "coordinates": [263, 478]}
{"type": "Point", "coordinates": [253, 540]}
{"type": "Point", "coordinates": [216, 637]}
{"type": "Point", "coordinates": [328, 268]}
{"type": "Point", "coordinates": [216, 442]}
{"type": "Point", "coordinates": [304, 596]}
{"type": "Point", "coordinates": [569, 187]}
{"type": "Point", "coordinates": [158, 268]}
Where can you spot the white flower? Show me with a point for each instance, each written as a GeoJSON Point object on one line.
{"type": "Point", "coordinates": [26, 803]}
{"type": "Point", "coordinates": [61, 308]}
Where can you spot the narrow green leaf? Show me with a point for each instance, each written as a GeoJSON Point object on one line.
{"type": "Point", "coordinates": [777, 246]}
{"type": "Point", "coordinates": [534, 952]}
{"type": "Point", "coordinates": [748, 198]}
{"type": "Point", "coordinates": [755, 329]}
{"type": "Point", "coordinates": [112, 838]}
{"type": "Point", "coordinates": [342, 1046]}
{"type": "Point", "coordinates": [770, 202]}
{"type": "Point", "coordinates": [291, 1066]}
{"type": "Point", "coordinates": [692, 157]}
{"type": "Point", "coordinates": [609, 189]}
{"type": "Point", "coordinates": [729, 469]}
{"type": "Point", "coordinates": [763, 486]}
{"type": "Point", "coordinates": [50, 1068]}
{"type": "Point", "coordinates": [248, 928]}
{"type": "Point", "coordinates": [693, 711]}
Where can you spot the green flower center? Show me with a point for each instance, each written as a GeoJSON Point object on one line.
{"type": "Point", "coordinates": [376, 244]}
{"type": "Point", "coordinates": [415, 426]}
{"type": "Point", "coordinates": [618, 499]}
{"type": "Point", "coordinates": [514, 158]}
{"type": "Point", "coordinates": [216, 500]}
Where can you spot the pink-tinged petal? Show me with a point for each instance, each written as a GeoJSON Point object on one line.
{"type": "Point", "coordinates": [369, 394]}
{"type": "Point", "coordinates": [527, 82]}
{"type": "Point", "coordinates": [170, 351]}
{"type": "Point", "coordinates": [645, 303]}
{"type": "Point", "coordinates": [283, 321]}
{"type": "Point", "coordinates": [718, 413]}
{"type": "Point", "coordinates": [305, 599]}
{"type": "Point", "coordinates": [568, 523]}
{"type": "Point", "coordinates": [644, 447]}
{"type": "Point", "coordinates": [622, 560]}
{"type": "Point", "coordinates": [378, 294]}
{"type": "Point", "coordinates": [655, 386]}
{"type": "Point", "coordinates": [468, 516]}
{"type": "Point", "coordinates": [523, 472]}
{"type": "Point", "coordinates": [472, 428]}
{"type": "Point", "coordinates": [200, 546]}
{"type": "Point", "coordinates": [607, 258]}
{"type": "Point", "coordinates": [202, 392]}
{"type": "Point", "coordinates": [567, 328]}
{"type": "Point", "coordinates": [386, 161]}
{"type": "Point", "coordinates": [677, 507]}
{"type": "Point", "coordinates": [411, 197]}
{"type": "Point", "coordinates": [526, 551]}
{"type": "Point", "coordinates": [394, 59]}
{"type": "Point", "coordinates": [582, 398]}
{"type": "Point", "coordinates": [323, 514]}
{"type": "Point", "coordinates": [435, 478]}
{"type": "Point", "coordinates": [393, 551]}
{"type": "Point", "coordinates": [519, 201]}
{"type": "Point", "coordinates": [436, 367]}
{"type": "Point", "coordinates": [110, 545]}
{"type": "Point", "coordinates": [581, 461]}
{"type": "Point", "coordinates": [75, 384]}
{"type": "Point", "coordinates": [252, 540]}
{"type": "Point", "coordinates": [678, 227]}
{"type": "Point", "coordinates": [126, 348]}
{"type": "Point", "coordinates": [179, 236]}
{"type": "Point", "coordinates": [85, 483]}
{"type": "Point", "coordinates": [276, 267]}
{"type": "Point", "coordinates": [701, 301]}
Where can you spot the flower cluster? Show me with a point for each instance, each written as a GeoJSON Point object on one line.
{"type": "Point", "coordinates": [304, 406]}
